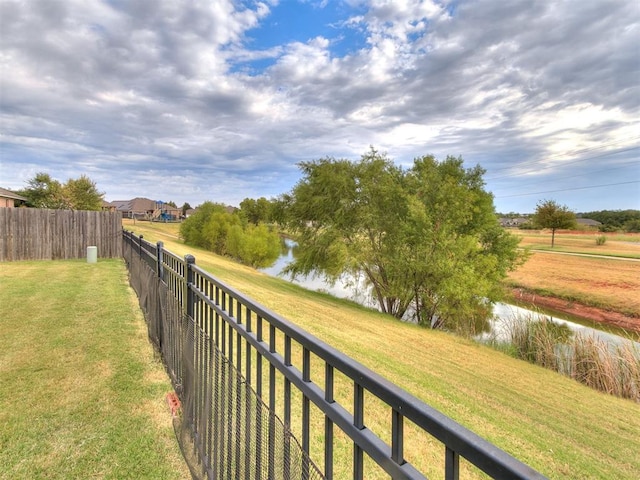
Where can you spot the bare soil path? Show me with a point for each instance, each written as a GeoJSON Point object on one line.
{"type": "Point", "coordinates": [600, 315]}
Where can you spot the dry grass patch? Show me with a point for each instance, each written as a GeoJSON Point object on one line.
{"type": "Point", "coordinates": [611, 284]}
{"type": "Point", "coordinates": [627, 245]}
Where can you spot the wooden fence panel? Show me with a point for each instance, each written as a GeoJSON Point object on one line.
{"type": "Point", "coordinates": [42, 234]}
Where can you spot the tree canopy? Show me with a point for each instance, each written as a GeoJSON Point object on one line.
{"type": "Point", "coordinates": [81, 193]}
{"type": "Point", "coordinates": [257, 211]}
{"type": "Point", "coordinates": [213, 227]}
{"type": "Point", "coordinates": [615, 219]}
{"type": "Point", "coordinates": [426, 239]}
{"type": "Point", "coordinates": [549, 214]}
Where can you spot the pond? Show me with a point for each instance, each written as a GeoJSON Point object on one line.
{"type": "Point", "coordinates": [355, 289]}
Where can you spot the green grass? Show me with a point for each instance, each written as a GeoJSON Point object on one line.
{"type": "Point", "coordinates": [615, 244]}
{"type": "Point", "coordinates": [559, 427]}
{"type": "Point", "coordinates": [82, 395]}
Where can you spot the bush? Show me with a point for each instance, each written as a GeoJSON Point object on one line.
{"type": "Point", "coordinates": [614, 370]}
{"type": "Point", "coordinates": [601, 240]}
{"type": "Point", "coordinates": [215, 228]}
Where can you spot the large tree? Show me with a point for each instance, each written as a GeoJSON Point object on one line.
{"type": "Point", "coordinates": [426, 239]}
{"type": "Point", "coordinates": [82, 194]}
{"type": "Point", "coordinates": [213, 227]}
{"type": "Point", "coordinates": [44, 192]}
{"type": "Point", "coordinates": [550, 214]}
{"type": "Point", "coordinates": [256, 211]}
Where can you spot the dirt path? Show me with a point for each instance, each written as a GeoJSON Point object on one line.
{"type": "Point", "coordinates": [595, 314]}
{"type": "Point", "coordinates": [588, 255]}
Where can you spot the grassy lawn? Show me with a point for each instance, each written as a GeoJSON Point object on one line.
{"type": "Point", "coordinates": [559, 427]}
{"type": "Point", "coordinates": [82, 395]}
{"type": "Point", "coordinates": [600, 282]}
{"type": "Point", "coordinates": [616, 244]}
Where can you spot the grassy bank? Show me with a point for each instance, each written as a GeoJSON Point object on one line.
{"type": "Point", "coordinates": [561, 428]}
{"type": "Point", "coordinates": [599, 282]}
{"type": "Point", "coordinates": [82, 395]}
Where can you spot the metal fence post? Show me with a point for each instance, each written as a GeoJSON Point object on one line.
{"type": "Point", "coordinates": [160, 247]}
{"type": "Point", "coordinates": [189, 261]}
{"type": "Point", "coordinates": [140, 245]}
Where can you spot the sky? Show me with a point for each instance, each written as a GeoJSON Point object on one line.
{"type": "Point", "coordinates": [188, 101]}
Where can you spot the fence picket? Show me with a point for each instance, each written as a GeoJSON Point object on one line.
{"type": "Point", "coordinates": [43, 234]}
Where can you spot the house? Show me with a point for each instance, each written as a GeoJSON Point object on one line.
{"type": "Point", "coordinates": [146, 209]}
{"type": "Point", "coordinates": [512, 222]}
{"type": "Point", "coordinates": [140, 208]}
{"type": "Point", "coordinates": [8, 198]}
{"type": "Point", "coordinates": [587, 222]}
{"type": "Point", "coordinates": [108, 206]}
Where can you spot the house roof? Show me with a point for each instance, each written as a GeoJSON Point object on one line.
{"type": "Point", "coordinates": [137, 204]}
{"type": "Point", "coordinates": [588, 222]}
{"type": "Point", "coordinates": [9, 194]}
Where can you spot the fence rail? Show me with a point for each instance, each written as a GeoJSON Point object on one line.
{"type": "Point", "coordinates": [42, 234]}
{"type": "Point", "coordinates": [317, 391]}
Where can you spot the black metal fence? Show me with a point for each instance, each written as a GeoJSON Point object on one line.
{"type": "Point", "coordinates": [252, 383]}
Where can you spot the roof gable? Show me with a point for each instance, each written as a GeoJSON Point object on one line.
{"type": "Point", "coordinates": [9, 194]}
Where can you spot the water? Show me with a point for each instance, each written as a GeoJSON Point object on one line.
{"type": "Point", "coordinates": [354, 289]}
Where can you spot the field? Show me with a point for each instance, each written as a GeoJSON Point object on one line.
{"type": "Point", "coordinates": [616, 244]}
{"type": "Point", "coordinates": [593, 280]}
{"type": "Point", "coordinates": [561, 428]}
{"type": "Point", "coordinates": [82, 395]}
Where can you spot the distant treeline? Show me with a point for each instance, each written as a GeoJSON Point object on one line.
{"type": "Point", "coordinates": [612, 220]}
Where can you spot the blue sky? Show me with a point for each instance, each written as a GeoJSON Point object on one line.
{"type": "Point", "coordinates": [219, 100]}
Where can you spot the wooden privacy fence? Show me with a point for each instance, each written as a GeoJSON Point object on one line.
{"type": "Point", "coordinates": [42, 234]}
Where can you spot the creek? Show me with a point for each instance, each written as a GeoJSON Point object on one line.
{"type": "Point", "coordinates": [355, 289]}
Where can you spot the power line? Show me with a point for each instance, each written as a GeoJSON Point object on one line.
{"type": "Point", "coordinates": [570, 153]}
{"type": "Point", "coordinates": [605, 154]}
{"type": "Point", "coordinates": [558, 178]}
{"type": "Point", "coordinates": [567, 189]}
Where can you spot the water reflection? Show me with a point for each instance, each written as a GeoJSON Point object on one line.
{"type": "Point", "coordinates": [355, 289]}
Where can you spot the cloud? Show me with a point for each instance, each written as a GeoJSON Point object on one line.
{"type": "Point", "coordinates": [173, 98]}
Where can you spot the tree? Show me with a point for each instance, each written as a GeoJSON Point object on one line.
{"type": "Point", "coordinates": [255, 245]}
{"type": "Point", "coordinates": [82, 194]}
{"type": "Point", "coordinates": [185, 207]}
{"type": "Point", "coordinates": [632, 226]}
{"type": "Point", "coordinates": [77, 194]}
{"type": "Point", "coordinates": [192, 229]}
{"type": "Point", "coordinates": [426, 239]}
{"type": "Point", "coordinates": [44, 192]}
{"type": "Point", "coordinates": [550, 214]}
{"type": "Point", "coordinates": [256, 211]}
{"type": "Point", "coordinates": [214, 228]}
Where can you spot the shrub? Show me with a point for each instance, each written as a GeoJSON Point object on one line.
{"type": "Point", "coordinates": [611, 369]}
{"type": "Point", "coordinates": [614, 369]}
{"type": "Point", "coordinates": [601, 240]}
